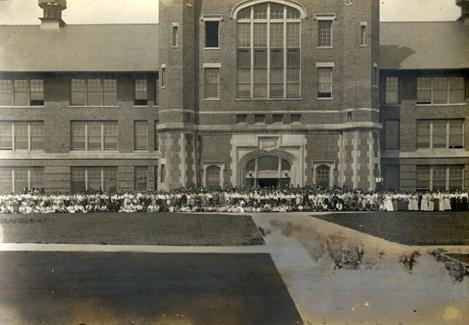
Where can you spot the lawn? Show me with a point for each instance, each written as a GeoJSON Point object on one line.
{"type": "Point", "coordinates": [131, 229]}
{"type": "Point", "coordinates": [410, 228]}
{"type": "Point", "coordinates": [140, 288]}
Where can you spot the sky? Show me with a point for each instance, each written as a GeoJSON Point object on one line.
{"type": "Point", "coordinates": [146, 11]}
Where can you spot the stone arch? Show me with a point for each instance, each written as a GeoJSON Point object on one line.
{"type": "Point", "coordinates": [249, 3]}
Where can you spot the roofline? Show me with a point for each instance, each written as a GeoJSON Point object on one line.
{"type": "Point", "coordinates": [105, 24]}
{"type": "Point", "coordinates": [420, 21]}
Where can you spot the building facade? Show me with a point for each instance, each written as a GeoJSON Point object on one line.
{"type": "Point", "coordinates": [222, 93]}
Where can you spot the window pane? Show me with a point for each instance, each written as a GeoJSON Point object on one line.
{"type": "Point", "coordinates": [110, 92]}
{"type": "Point", "coordinates": [78, 179]}
{"type": "Point", "coordinates": [440, 90]}
{"type": "Point", "coordinates": [37, 177]}
{"type": "Point", "coordinates": [211, 82]}
{"type": "Point", "coordinates": [439, 178]}
{"type": "Point", "coordinates": [213, 177]}
{"type": "Point", "coordinates": [21, 93]}
{"type": "Point", "coordinates": [439, 134]}
{"type": "Point", "coordinates": [94, 92]}
{"type": "Point", "coordinates": [141, 92]}
{"type": "Point", "coordinates": [424, 95]}
{"type": "Point", "coordinates": [37, 92]}
{"type": "Point", "coordinates": [391, 129]}
{"type": "Point", "coordinates": [6, 93]}
{"type": "Point", "coordinates": [325, 82]}
{"type": "Point", "coordinates": [141, 177]}
{"type": "Point", "coordinates": [292, 13]}
{"type": "Point", "coordinates": [457, 93]}
{"type": "Point", "coordinates": [456, 176]}
{"type": "Point", "coordinates": [260, 11]}
{"type": "Point", "coordinates": [244, 35]}
{"type": "Point", "coordinates": [267, 163]}
{"type": "Point", "coordinates": [392, 90]}
{"type": "Point", "coordinates": [293, 59]}
{"type": "Point", "coordinates": [293, 35]}
{"type": "Point", "coordinates": [5, 180]}
{"type": "Point", "coordinates": [110, 135]}
{"type": "Point", "coordinates": [276, 35]}
{"type": "Point", "coordinates": [78, 136]}
{"type": "Point", "coordinates": [94, 179]}
{"type": "Point", "coordinates": [260, 35]}
{"type": "Point", "coordinates": [260, 59]}
{"type": "Point", "coordinates": [325, 33]}
{"type": "Point", "coordinates": [141, 135]}
{"type": "Point", "coordinates": [322, 175]}
{"type": "Point", "coordinates": [423, 134]}
{"type": "Point", "coordinates": [244, 59]}
{"type": "Point", "coordinates": [94, 135]}
{"type": "Point", "coordinates": [456, 133]}
{"type": "Point", "coordinates": [21, 180]}
{"type": "Point", "coordinates": [6, 139]}
{"type": "Point", "coordinates": [211, 34]}
{"type": "Point", "coordinates": [21, 136]}
{"type": "Point", "coordinates": [244, 13]}
{"type": "Point", "coordinates": [78, 92]}
{"type": "Point", "coordinates": [276, 11]}
{"type": "Point", "coordinates": [423, 178]}
{"type": "Point", "coordinates": [110, 179]}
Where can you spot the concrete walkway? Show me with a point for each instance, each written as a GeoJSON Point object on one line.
{"type": "Point", "coordinates": [380, 291]}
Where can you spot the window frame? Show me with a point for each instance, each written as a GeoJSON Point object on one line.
{"type": "Point", "coordinates": [102, 180]}
{"type": "Point", "coordinates": [212, 19]}
{"type": "Point", "coordinates": [146, 171]}
{"type": "Point", "coordinates": [29, 92]}
{"type": "Point", "coordinates": [143, 102]}
{"type": "Point", "coordinates": [447, 134]}
{"type": "Point", "coordinates": [250, 49]}
{"type": "Point", "coordinates": [29, 181]}
{"type": "Point", "coordinates": [175, 39]}
{"type": "Point", "coordinates": [102, 134]}
{"type": "Point", "coordinates": [29, 136]}
{"type": "Point", "coordinates": [329, 66]}
{"type": "Point", "coordinates": [431, 169]}
{"type": "Point", "coordinates": [142, 122]}
{"type": "Point", "coordinates": [363, 34]}
{"type": "Point", "coordinates": [431, 89]}
{"type": "Point", "coordinates": [206, 68]}
{"type": "Point", "coordinates": [87, 92]}
{"type": "Point", "coordinates": [396, 91]}
{"type": "Point", "coordinates": [330, 18]}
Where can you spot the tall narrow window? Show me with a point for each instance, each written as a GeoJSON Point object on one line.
{"type": "Point", "coordinates": [325, 82]}
{"type": "Point", "coordinates": [94, 92]}
{"type": "Point", "coordinates": [141, 135]}
{"type": "Point", "coordinates": [456, 134]}
{"type": "Point", "coordinates": [175, 35]}
{"type": "Point", "coordinates": [157, 93]}
{"type": "Point", "coordinates": [21, 136]}
{"type": "Point", "coordinates": [6, 92]}
{"type": "Point", "coordinates": [141, 179]}
{"type": "Point", "coordinates": [363, 34]}
{"type": "Point", "coordinates": [392, 90]}
{"type": "Point", "coordinates": [423, 178]}
{"type": "Point", "coordinates": [141, 92]}
{"type": "Point", "coordinates": [157, 137]}
{"type": "Point", "coordinates": [268, 55]}
{"type": "Point", "coordinates": [424, 90]}
{"type": "Point", "coordinates": [212, 34]}
{"type": "Point", "coordinates": [163, 76]}
{"type": "Point", "coordinates": [110, 92]}
{"type": "Point", "coordinates": [212, 177]}
{"type": "Point", "coordinates": [211, 83]}
{"type": "Point", "coordinates": [323, 175]}
{"type": "Point", "coordinates": [21, 93]}
{"type": "Point", "coordinates": [325, 33]}
{"type": "Point", "coordinates": [36, 92]}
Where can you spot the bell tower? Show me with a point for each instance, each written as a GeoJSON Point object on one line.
{"type": "Point", "coordinates": [178, 92]}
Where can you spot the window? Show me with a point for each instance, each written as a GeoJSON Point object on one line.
{"type": "Point", "coordinates": [162, 174]}
{"type": "Point", "coordinates": [22, 136]}
{"type": "Point", "coordinates": [156, 178]}
{"type": "Point", "coordinates": [212, 34]}
{"type": "Point", "coordinates": [363, 34]}
{"type": "Point", "coordinates": [325, 82]}
{"type": "Point", "coordinates": [325, 32]}
{"type": "Point", "coordinates": [213, 177]}
{"type": "Point", "coordinates": [157, 93]}
{"type": "Point", "coordinates": [141, 135]}
{"type": "Point", "coordinates": [323, 175]}
{"type": "Point", "coordinates": [21, 92]}
{"type": "Point", "coordinates": [440, 178]}
{"type": "Point", "coordinates": [241, 118]}
{"type": "Point", "coordinates": [392, 90]}
{"type": "Point", "coordinates": [391, 134]}
{"type": "Point", "coordinates": [94, 179]}
{"type": "Point", "coordinates": [446, 134]}
{"type": "Point", "coordinates": [94, 135]}
{"type": "Point", "coordinates": [94, 92]}
{"type": "Point", "coordinates": [441, 90]}
{"type": "Point", "coordinates": [17, 180]}
{"type": "Point", "coordinates": [175, 35]}
{"type": "Point", "coordinates": [211, 83]}
{"type": "Point", "coordinates": [141, 92]}
{"type": "Point", "coordinates": [268, 55]}
{"type": "Point", "coordinates": [141, 179]}
{"type": "Point", "coordinates": [163, 76]}
{"type": "Point", "coordinates": [157, 137]}
{"type": "Point", "coordinates": [348, 2]}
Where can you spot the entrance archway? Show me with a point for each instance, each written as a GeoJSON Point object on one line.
{"type": "Point", "coordinates": [266, 169]}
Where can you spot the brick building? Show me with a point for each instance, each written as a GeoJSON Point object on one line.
{"type": "Point", "coordinates": [425, 104]}
{"type": "Point", "coordinates": [222, 93]}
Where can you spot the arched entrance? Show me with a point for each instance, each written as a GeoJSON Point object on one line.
{"type": "Point", "coordinates": [266, 169]}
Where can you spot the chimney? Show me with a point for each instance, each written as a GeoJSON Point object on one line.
{"type": "Point", "coordinates": [464, 4]}
{"type": "Point", "coordinates": [52, 18]}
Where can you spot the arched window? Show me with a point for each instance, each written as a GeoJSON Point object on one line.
{"type": "Point", "coordinates": [323, 175]}
{"type": "Point", "coordinates": [212, 177]}
{"type": "Point", "coordinates": [268, 50]}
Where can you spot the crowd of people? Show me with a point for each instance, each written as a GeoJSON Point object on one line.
{"type": "Point", "coordinates": [233, 201]}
